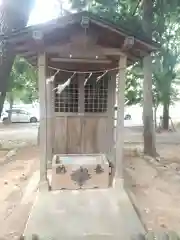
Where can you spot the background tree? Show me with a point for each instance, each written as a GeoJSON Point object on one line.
{"type": "Point", "coordinates": [156, 18]}
{"type": "Point", "coordinates": [14, 14]}
{"type": "Point", "coordinates": [149, 135]}
{"type": "Point", "coordinates": [22, 82]}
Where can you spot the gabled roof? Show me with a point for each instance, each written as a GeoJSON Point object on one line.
{"type": "Point", "coordinates": [116, 34]}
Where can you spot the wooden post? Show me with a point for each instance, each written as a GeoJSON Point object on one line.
{"type": "Point", "coordinates": [50, 114]}
{"type": "Point", "coordinates": [81, 80]}
{"type": "Point", "coordinates": [43, 119]}
{"type": "Point", "coordinates": [120, 118]}
{"type": "Point", "coordinates": [111, 103]}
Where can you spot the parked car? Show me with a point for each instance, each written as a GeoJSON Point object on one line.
{"type": "Point", "coordinates": [127, 116]}
{"type": "Point", "coordinates": [19, 115]}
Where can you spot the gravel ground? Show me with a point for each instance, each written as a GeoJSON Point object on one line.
{"type": "Point", "coordinates": [154, 186]}
{"type": "Point", "coordinates": [14, 176]}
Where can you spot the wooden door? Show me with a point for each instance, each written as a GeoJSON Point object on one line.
{"type": "Point", "coordinates": [94, 138]}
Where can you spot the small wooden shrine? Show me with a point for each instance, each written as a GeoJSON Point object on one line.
{"type": "Point", "coordinates": [83, 54]}
{"type": "Point", "coordinates": [82, 61]}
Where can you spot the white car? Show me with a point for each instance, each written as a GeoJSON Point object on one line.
{"type": "Point", "coordinates": [19, 115]}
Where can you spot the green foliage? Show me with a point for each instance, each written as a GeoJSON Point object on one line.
{"type": "Point", "coordinates": [134, 80]}
{"type": "Point", "coordinates": [23, 81]}
{"type": "Point", "coordinates": [126, 13]}
{"type": "Point", "coordinates": [166, 31]}
{"type": "Point", "coordinates": [79, 4]}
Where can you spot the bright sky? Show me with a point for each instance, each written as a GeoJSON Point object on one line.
{"type": "Point", "coordinates": [44, 10]}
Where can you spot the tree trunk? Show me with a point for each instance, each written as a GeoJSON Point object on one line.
{"type": "Point", "coordinates": [5, 69]}
{"type": "Point", "coordinates": [38, 136]}
{"type": "Point", "coordinates": [11, 17]}
{"type": "Point", "coordinates": [11, 102]}
{"type": "Point", "coordinates": [165, 116]}
{"type": "Point", "coordinates": [149, 134]}
{"type": "Point", "coordinates": [2, 99]}
{"type": "Point", "coordinates": [155, 117]}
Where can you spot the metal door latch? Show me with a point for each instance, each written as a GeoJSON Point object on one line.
{"type": "Point", "coordinates": [99, 169]}
{"type": "Point", "coordinates": [61, 169]}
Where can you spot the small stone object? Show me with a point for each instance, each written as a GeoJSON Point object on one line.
{"type": "Point", "coordinates": [35, 237]}
{"type": "Point", "coordinates": [22, 237]}
{"type": "Point", "coordinates": [23, 177]}
{"type": "Point", "coordinates": [5, 182]}
{"type": "Point", "coordinates": [11, 153]}
{"type": "Point", "coordinates": [148, 158]}
{"type": "Point", "coordinates": [147, 210]}
{"type": "Point", "coordinates": [158, 159]}
{"type": "Point", "coordinates": [162, 225]}
{"type": "Point", "coordinates": [156, 236]}
{"type": "Point", "coordinates": [138, 237]}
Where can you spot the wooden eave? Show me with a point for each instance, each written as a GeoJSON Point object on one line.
{"type": "Point", "coordinates": [60, 30]}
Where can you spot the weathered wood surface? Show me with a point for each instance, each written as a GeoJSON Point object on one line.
{"type": "Point", "coordinates": [60, 141]}
{"type": "Point", "coordinates": [120, 116]}
{"type": "Point", "coordinates": [43, 116]}
{"type": "Point", "coordinates": [74, 135]}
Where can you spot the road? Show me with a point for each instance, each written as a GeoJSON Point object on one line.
{"type": "Point", "coordinates": [135, 135]}
{"type": "Point", "coordinates": [28, 133]}
{"type": "Point", "coordinates": [18, 134]}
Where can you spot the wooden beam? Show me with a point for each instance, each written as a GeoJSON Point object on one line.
{"type": "Point", "coordinates": [73, 46]}
{"type": "Point", "coordinates": [120, 117]}
{"type": "Point", "coordinates": [112, 51]}
{"type": "Point", "coordinates": [83, 60]}
{"type": "Point", "coordinates": [27, 54]}
{"type": "Point", "coordinates": [32, 58]}
{"type": "Point", "coordinates": [81, 66]}
{"type": "Point", "coordinates": [121, 33]}
{"type": "Point", "coordinates": [43, 119]}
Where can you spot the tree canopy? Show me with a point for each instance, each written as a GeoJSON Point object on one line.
{"type": "Point", "coordinates": [165, 30]}
{"type": "Point", "coordinates": [23, 81]}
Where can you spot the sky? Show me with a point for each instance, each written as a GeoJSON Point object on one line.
{"type": "Point", "coordinates": [43, 11]}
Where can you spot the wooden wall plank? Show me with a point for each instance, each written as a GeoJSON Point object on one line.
{"type": "Point", "coordinates": [94, 135]}
{"type": "Point", "coordinates": [60, 144]}
{"type": "Point", "coordinates": [102, 135]}
{"type": "Point", "coordinates": [74, 135]}
{"type": "Point", "coordinates": [89, 135]}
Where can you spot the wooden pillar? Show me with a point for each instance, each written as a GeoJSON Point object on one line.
{"type": "Point", "coordinates": [43, 119]}
{"type": "Point", "coordinates": [111, 103]}
{"type": "Point", "coordinates": [81, 80]}
{"type": "Point", "coordinates": [120, 117]}
{"type": "Point", "coordinates": [50, 118]}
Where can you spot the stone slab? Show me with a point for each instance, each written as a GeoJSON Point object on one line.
{"type": "Point", "coordinates": [83, 214]}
